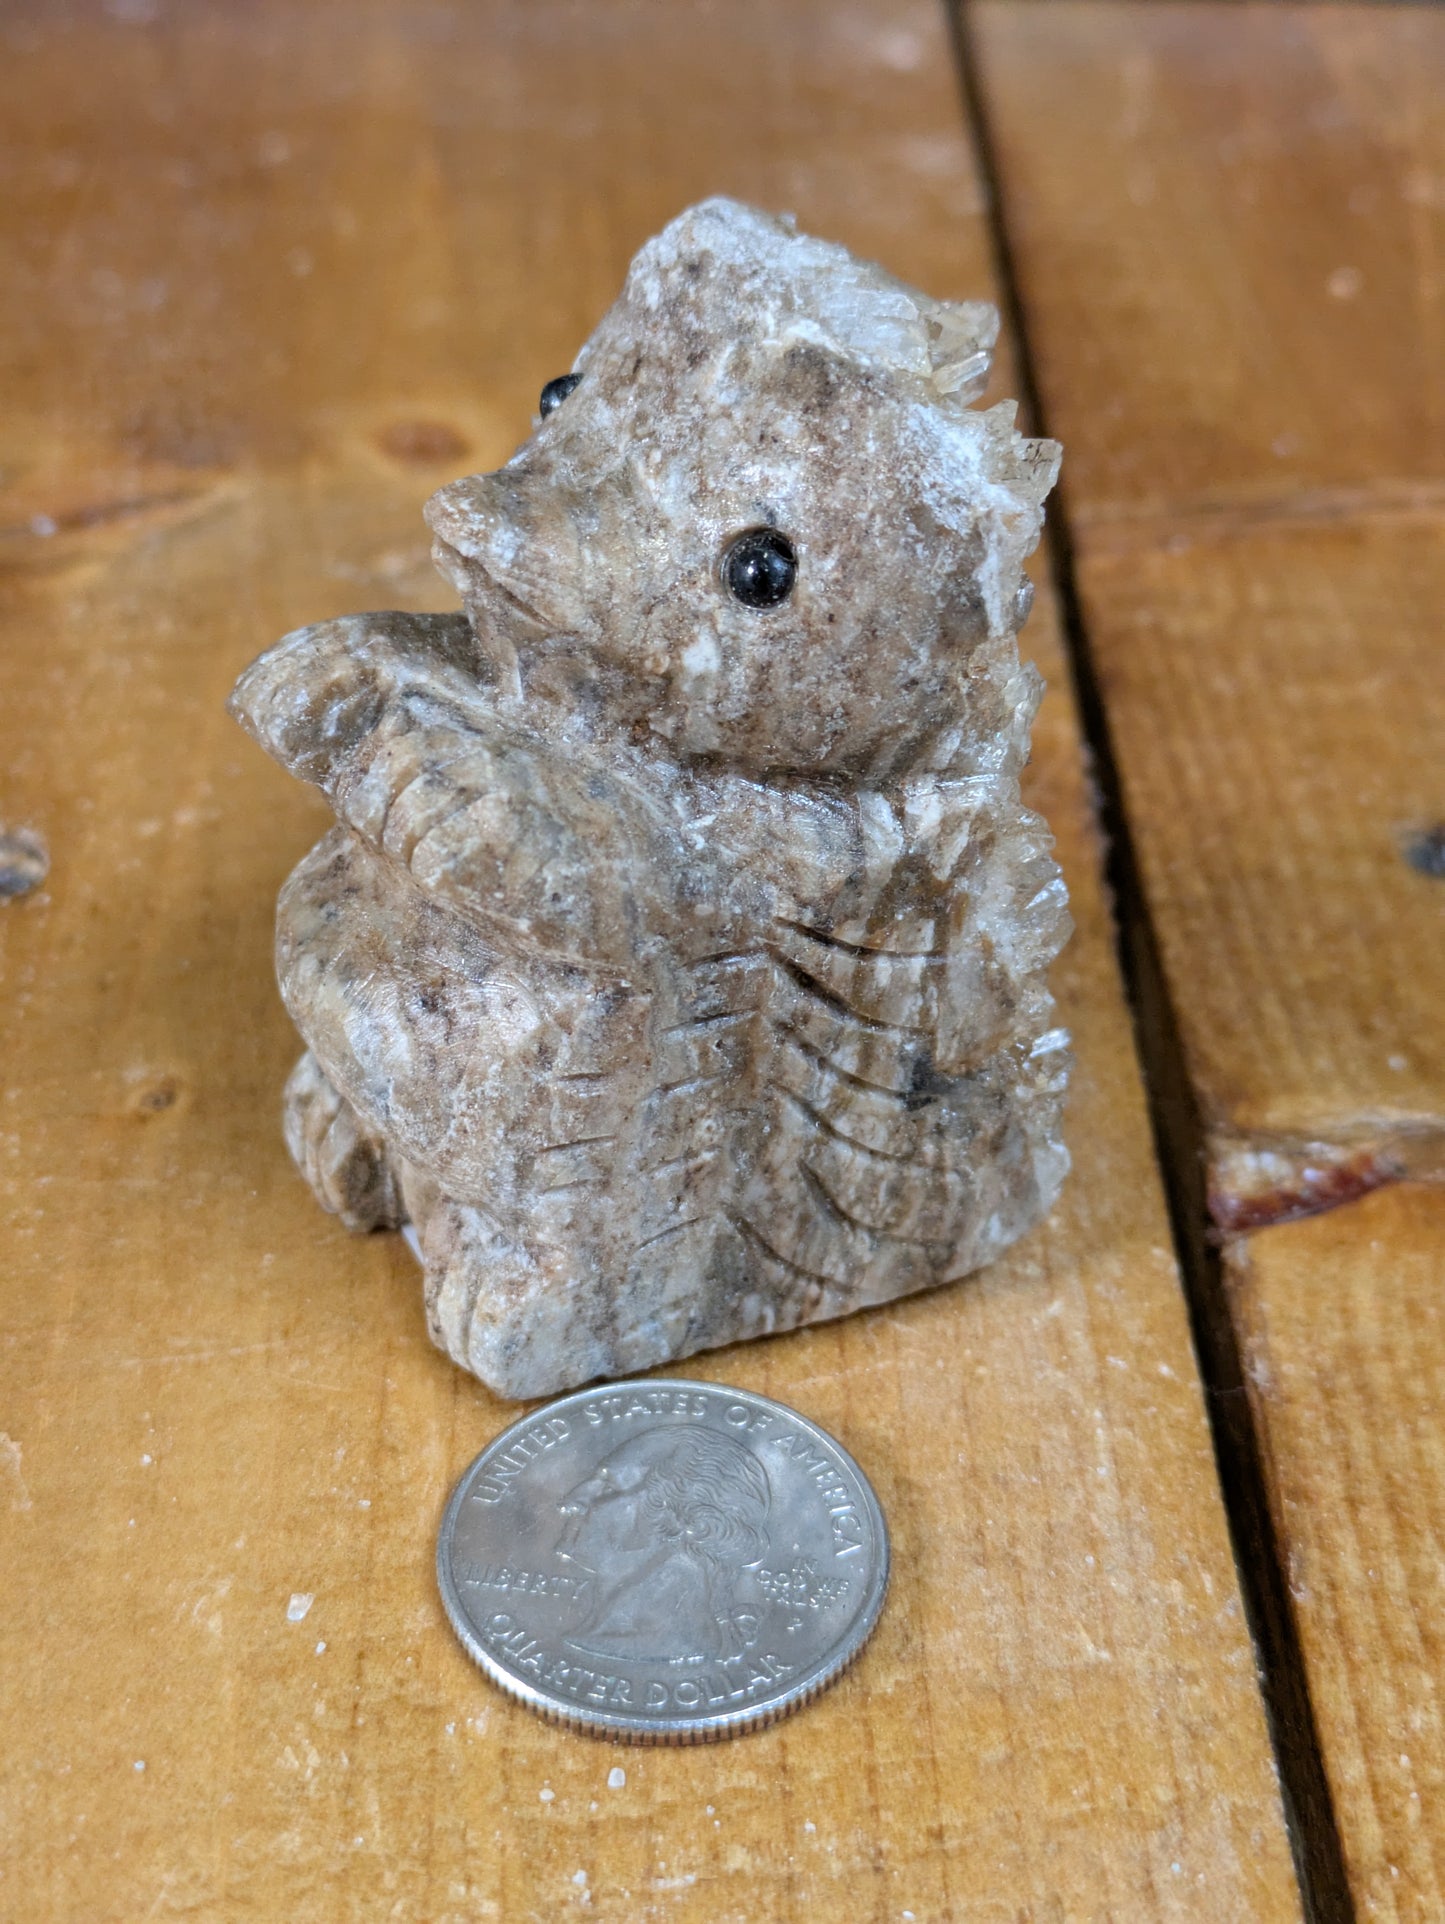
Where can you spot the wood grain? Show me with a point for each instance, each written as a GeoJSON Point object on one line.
{"type": "Point", "coordinates": [1227, 221]}
{"type": "Point", "coordinates": [1256, 509]}
{"type": "Point", "coordinates": [1228, 250]}
{"type": "Point", "coordinates": [274, 272]}
{"type": "Point", "coordinates": [1342, 1318]}
{"type": "Point", "coordinates": [1279, 709]}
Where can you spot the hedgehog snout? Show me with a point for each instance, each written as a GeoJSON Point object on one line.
{"type": "Point", "coordinates": [503, 540]}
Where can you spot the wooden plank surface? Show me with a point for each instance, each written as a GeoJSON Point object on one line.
{"type": "Point", "coordinates": [1229, 247]}
{"type": "Point", "coordinates": [1228, 250]}
{"type": "Point", "coordinates": [1278, 701]}
{"type": "Point", "coordinates": [274, 272]}
{"type": "Point", "coordinates": [1285, 162]}
{"type": "Point", "coordinates": [1341, 1317]}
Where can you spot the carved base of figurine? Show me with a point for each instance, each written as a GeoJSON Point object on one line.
{"type": "Point", "coordinates": [532, 1322]}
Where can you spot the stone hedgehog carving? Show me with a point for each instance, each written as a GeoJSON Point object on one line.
{"type": "Point", "coordinates": [675, 972]}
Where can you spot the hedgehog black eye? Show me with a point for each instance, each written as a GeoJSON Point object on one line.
{"type": "Point", "coordinates": [556, 392]}
{"type": "Point", "coordinates": [760, 568]}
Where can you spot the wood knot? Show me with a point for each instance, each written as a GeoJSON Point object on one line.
{"type": "Point", "coordinates": [1425, 851]}
{"type": "Point", "coordinates": [162, 1094]}
{"type": "Point", "coordinates": [422, 444]}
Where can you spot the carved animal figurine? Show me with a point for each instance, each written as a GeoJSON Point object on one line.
{"type": "Point", "coordinates": [675, 972]}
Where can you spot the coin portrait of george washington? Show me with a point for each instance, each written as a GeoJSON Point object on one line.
{"type": "Point", "coordinates": [668, 1529]}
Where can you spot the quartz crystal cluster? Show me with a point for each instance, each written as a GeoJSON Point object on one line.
{"type": "Point", "coordinates": [675, 972]}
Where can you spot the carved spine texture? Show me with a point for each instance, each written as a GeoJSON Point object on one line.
{"type": "Point", "coordinates": [677, 967]}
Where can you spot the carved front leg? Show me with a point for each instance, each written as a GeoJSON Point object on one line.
{"type": "Point", "coordinates": [547, 848]}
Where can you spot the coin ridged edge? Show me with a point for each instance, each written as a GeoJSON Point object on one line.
{"type": "Point", "coordinates": [675, 1734]}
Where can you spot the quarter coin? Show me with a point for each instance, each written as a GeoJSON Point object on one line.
{"type": "Point", "coordinates": [667, 1562]}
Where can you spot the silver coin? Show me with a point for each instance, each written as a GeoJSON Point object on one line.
{"type": "Point", "coordinates": [663, 1561]}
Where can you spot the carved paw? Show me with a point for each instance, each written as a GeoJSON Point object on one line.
{"type": "Point", "coordinates": [494, 1308]}
{"type": "Point", "coordinates": [344, 1162]}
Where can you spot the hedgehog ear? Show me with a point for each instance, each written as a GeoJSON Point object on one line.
{"type": "Point", "coordinates": [961, 335]}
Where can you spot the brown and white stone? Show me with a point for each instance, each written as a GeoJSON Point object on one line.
{"type": "Point", "coordinates": [676, 970]}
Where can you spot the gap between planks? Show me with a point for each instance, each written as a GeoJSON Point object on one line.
{"type": "Point", "coordinates": [1180, 1142]}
